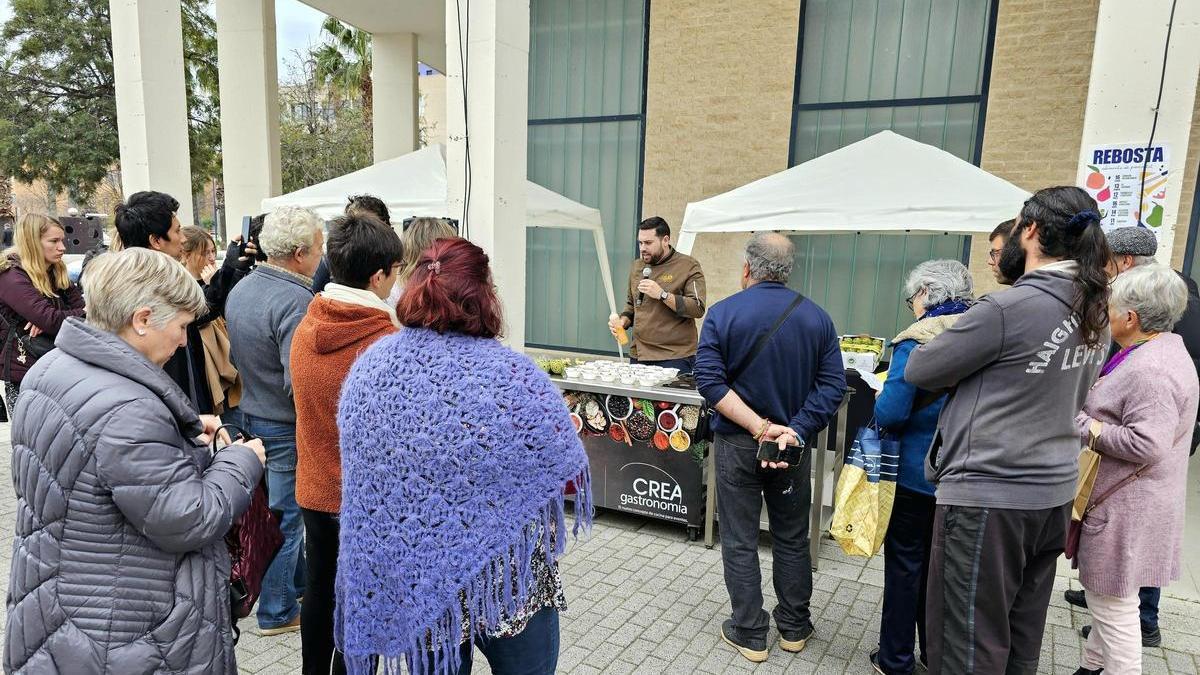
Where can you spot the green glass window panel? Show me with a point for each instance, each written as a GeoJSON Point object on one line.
{"type": "Point", "coordinates": [859, 278]}
{"type": "Point", "coordinates": [951, 127]}
{"type": "Point", "coordinates": [585, 58]}
{"type": "Point", "coordinates": [893, 54]}
{"type": "Point", "coordinates": [859, 50]}
{"type": "Point", "coordinates": [585, 65]}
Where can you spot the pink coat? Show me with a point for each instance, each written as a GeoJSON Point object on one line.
{"type": "Point", "coordinates": [1148, 408]}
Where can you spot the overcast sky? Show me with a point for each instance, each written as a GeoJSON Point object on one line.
{"type": "Point", "coordinates": [297, 25]}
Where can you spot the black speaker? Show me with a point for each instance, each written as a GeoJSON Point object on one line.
{"type": "Point", "coordinates": [83, 234]}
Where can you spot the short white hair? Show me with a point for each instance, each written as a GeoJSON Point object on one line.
{"type": "Point", "coordinates": [942, 280]}
{"type": "Point", "coordinates": [770, 256]}
{"type": "Point", "coordinates": [117, 284]}
{"type": "Point", "coordinates": [1155, 292]}
{"type": "Point", "coordinates": [1139, 260]}
{"type": "Point", "coordinates": [287, 230]}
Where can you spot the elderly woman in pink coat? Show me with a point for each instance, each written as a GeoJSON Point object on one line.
{"type": "Point", "coordinates": [1142, 411]}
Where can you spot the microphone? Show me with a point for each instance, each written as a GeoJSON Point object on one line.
{"type": "Point", "coordinates": [645, 275]}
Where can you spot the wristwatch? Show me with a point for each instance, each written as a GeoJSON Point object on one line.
{"type": "Point", "coordinates": [663, 296]}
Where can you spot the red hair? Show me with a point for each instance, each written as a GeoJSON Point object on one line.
{"type": "Point", "coordinates": [451, 290]}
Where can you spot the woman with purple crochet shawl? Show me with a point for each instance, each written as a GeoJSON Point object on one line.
{"type": "Point", "coordinates": [456, 453]}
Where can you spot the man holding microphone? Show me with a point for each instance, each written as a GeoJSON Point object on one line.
{"type": "Point", "coordinates": [665, 298]}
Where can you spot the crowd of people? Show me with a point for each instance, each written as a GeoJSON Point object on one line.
{"type": "Point", "coordinates": [990, 400]}
{"type": "Point", "coordinates": [420, 469]}
{"type": "Point", "coordinates": [184, 383]}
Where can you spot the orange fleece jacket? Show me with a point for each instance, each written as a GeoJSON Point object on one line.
{"type": "Point", "coordinates": [324, 347]}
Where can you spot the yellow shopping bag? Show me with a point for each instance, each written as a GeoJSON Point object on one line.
{"type": "Point", "coordinates": [862, 501]}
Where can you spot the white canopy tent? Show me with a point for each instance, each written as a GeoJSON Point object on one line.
{"type": "Point", "coordinates": [885, 183]}
{"type": "Point", "coordinates": [415, 185]}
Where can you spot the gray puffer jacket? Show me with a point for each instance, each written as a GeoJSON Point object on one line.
{"type": "Point", "coordinates": [119, 564]}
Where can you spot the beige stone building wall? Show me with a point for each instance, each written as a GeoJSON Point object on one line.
{"type": "Point", "coordinates": [1036, 99]}
{"type": "Point", "coordinates": [719, 97]}
{"type": "Point", "coordinates": [433, 107]}
{"type": "Point", "coordinates": [718, 111]}
{"type": "Point", "coordinates": [1036, 107]}
{"type": "Point", "coordinates": [1189, 190]}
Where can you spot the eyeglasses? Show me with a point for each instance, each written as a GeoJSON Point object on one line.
{"type": "Point", "coordinates": [994, 254]}
{"type": "Point", "coordinates": [909, 300]}
{"type": "Point", "coordinates": [404, 225]}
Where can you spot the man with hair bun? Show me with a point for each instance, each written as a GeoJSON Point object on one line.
{"type": "Point", "coordinates": [1004, 457]}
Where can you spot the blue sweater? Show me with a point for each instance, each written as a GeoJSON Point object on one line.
{"type": "Point", "coordinates": [262, 313]}
{"type": "Point", "coordinates": [893, 411]}
{"type": "Point", "coordinates": [798, 378]}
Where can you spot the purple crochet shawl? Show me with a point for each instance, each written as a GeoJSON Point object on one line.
{"type": "Point", "coordinates": [455, 453]}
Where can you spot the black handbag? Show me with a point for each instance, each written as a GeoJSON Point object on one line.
{"type": "Point", "coordinates": [29, 348]}
{"type": "Point", "coordinates": [253, 541]}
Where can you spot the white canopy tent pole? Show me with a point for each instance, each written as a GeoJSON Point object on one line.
{"type": "Point", "coordinates": [605, 271]}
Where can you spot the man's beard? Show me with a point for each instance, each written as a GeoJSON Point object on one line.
{"type": "Point", "coordinates": [1012, 258]}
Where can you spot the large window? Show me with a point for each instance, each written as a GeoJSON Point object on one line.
{"type": "Point", "coordinates": [917, 67]}
{"type": "Point", "coordinates": [586, 119]}
{"type": "Point", "coordinates": [1190, 265]}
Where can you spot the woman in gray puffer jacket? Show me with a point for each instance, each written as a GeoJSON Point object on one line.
{"type": "Point", "coordinates": [119, 564]}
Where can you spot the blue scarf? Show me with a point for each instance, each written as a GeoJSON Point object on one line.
{"type": "Point", "coordinates": [951, 306]}
{"type": "Point", "coordinates": [455, 454]}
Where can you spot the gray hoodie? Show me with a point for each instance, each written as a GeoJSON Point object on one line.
{"type": "Point", "coordinates": [1020, 371]}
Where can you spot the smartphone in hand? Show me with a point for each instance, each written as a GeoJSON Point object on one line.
{"type": "Point", "coordinates": [768, 451]}
{"type": "Point", "coordinates": [246, 220]}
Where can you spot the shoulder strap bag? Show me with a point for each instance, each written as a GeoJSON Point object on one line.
{"type": "Point", "coordinates": [29, 348]}
{"type": "Point", "coordinates": [756, 350]}
{"type": "Point", "coordinates": [1086, 482]}
{"type": "Point", "coordinates": [253, 541]}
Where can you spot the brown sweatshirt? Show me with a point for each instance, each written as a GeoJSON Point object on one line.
{"type": "Point", "coordinates": [659, 332]}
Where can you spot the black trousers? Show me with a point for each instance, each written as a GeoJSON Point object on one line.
{"type": "Point", "coordinates": [316, 613]}
{"type": "Point", "coordinates": [742, 485]}
{"type": "Point", "coordinates": [905, 572]}
{"type": "Point", "coordinates": [991, 573]}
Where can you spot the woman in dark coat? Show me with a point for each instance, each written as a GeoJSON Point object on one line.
{"type": "Point", "coordinates": [36, 295]}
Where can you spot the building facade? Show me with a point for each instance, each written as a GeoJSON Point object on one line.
{"type": "Point", "coordinates": [638, 107]}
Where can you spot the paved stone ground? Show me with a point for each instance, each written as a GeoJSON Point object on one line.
{"type": "Point", "coordinates": [642, 599]}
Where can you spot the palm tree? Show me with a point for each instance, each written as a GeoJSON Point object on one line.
{"type": "Point", "coordinates": [344, 65]}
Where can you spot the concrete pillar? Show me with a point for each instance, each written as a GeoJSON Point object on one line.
{"type": "Point", "coordinates": [394, 92]}
{"type": "Point", "coordinates": [147, 37]}
{"type": "Point", "coordinates": [495, 115]}
{"type": "Point", "coordinates": [1126, 68]}
{"type": "Point", "coordinates": [249, 106]}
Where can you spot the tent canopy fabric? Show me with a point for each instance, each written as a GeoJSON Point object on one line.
{"type": "Point", "coordinates": [885, 183]}
{"type": "Point", "coordinates": [414, 185]}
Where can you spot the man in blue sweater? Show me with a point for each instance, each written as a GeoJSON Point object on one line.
{"type": "Point", "coordinates": [263, 312]}
{"type": "Point", "coordinates": [784, 389]}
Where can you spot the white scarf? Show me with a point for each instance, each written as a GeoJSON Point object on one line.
{"type": "Point", "coordinates": [361, 297]}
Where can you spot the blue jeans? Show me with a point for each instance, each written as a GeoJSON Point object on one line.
{"type": "Point", "coordinates": [533, 651]}
{"type": "Point", "coordinates": [742, 487]}
{"type": "Point", "coordinates": [905, 571]}
{"type": "Point", "coordinates": [1148, 608]}
{"type": "Point", "coordinates": [284, 582]}
{"type": "Point", "coordinates": [685, 366]}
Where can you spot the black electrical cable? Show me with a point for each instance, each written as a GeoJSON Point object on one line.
{"type": "Point", "coordinates": [464, 52]}
{"type": "Point", "coordinates": [1162, 79]}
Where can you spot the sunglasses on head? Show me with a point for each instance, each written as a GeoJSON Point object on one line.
{"type": "Point", "coordinates": [404, 224]}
